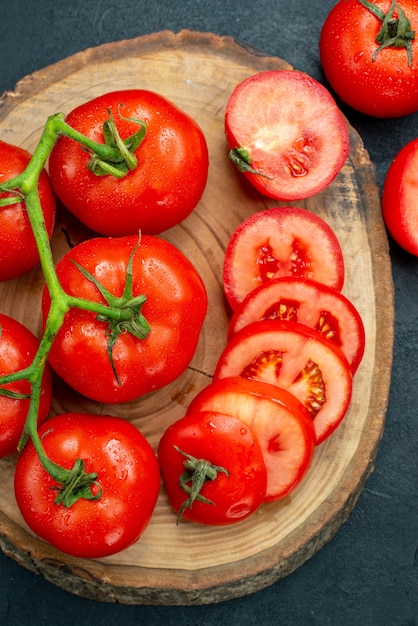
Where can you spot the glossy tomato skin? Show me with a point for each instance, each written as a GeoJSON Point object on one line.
{"type": "Point", "coordinates": [386, 87]}
{"type": "Point", "coordinates": [127, 472]}
{"type": "Point", "coordinates": [223, 441]}
{"type": "Point", "coordinates": [308, 302]}
{"type": "Point", "coordinates": [18, 251]}
{"type": "Point", "coordinates": [297, 358]}
{"type": "Point", "coordinates": [291, 130]}
{"type": "Point", "coordinates": [281, 424]}
{"type": "Point", "coordinates": [18, 347]}
{"type": "Point", "coordinates": [399, 198]}
{"type": "Point", "coordinates": [164, 188]}
{"type": "Point", "coordinates": [282, 241]}
{"type": "Point", "coordinates": [175, 309]}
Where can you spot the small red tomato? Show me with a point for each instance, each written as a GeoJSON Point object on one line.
{"type": "Point", "coordinates": [400, 198]}
{"type": "Point", "coordinates": [361, 61]}
{"type": "Point", "coordinates": [297, 358]}
{"type": "Point", "coordinates": [18, 250]}
{"type": "Point", "coordinates": [308, 302]}
{"type": "Point", "coordinates": [284, 241]}
{"type": "Point", "coordinates": [127, 473]}
{"type": "Point", "coordinates": [286, 134]}
{"type": "Point", "coordinates": [279, 421]}
{"type": "Point", "coordinates": [18, 347]}
{"type": "Point", "coordinates": [160, 192]}
{"type": "Point", "coordinates": [213, 468]}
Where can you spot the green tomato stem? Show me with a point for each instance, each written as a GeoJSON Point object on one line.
{"type": "Point", "coordinates": [118, 312]}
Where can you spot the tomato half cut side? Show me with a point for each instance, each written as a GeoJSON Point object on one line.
{"type": "Point", "coordinates": [308, 302]}
{"type": "Point", "coordinates": [220, 457]}
{"type": "Point", "coordinates": [296, 358]}
{"type": "Point", "coordinates": [282, 426]}
{"type": "Point", "coordinates": [281, 242]}
{"type": "Point", "coordinates": [286, 133]}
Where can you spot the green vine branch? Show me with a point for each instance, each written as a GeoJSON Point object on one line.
{"type": "Point", "coordinates": [113, 157]}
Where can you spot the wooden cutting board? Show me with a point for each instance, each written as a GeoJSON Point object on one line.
{"type": "Point", "coordinates": [190, 564]}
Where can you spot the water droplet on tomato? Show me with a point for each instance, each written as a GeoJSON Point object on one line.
{"type": "Point", "coordinates": [358, 56]}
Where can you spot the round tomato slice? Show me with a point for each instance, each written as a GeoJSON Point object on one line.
{"type": "Point", "coordinates": [283, 241]}
{"type": "Point", "coordinates": [219, 457]}
{"type": "Point", "coordinates": [280, 423]}
{"type": "Point", "coordinates": [399, 198]}
{"type": "Point", "coordinates": [286, 133]}
{"type": "Point", "coordinates": [296, 358]}
{"type": "Point", "coordinates": [308, 302]}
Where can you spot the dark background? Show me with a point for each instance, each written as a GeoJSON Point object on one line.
{"type": "Point", "coordinates": [368, 574]}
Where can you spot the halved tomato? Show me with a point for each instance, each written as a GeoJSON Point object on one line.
{"type": "Point", "coordinates": [286, 133]}
{"type": "Point", "coordinates": [283, 241]}
{"type": "Point", "coordinates": [308, 302]}
{"type": "Point", "coordinates": [296, 358]}
{"type": "Point", "coordinates": [280, 423]}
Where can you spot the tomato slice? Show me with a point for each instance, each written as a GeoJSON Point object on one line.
{"type": "Point", "coordinates": [280, 423]}
{"type": "Point", "coordinates": [283, 241]}
{"type": "Point", "coordinates": [289, 131]}
{"type": "Point", "coordinates": [308, 302]}
{"type": "Point", "coordinates": [296, 358]}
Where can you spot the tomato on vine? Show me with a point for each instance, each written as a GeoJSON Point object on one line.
{"type": "Point", "coordinates": [160, 303]}
{"type": "Point", "coordinates": [18, 346]}
{"type": "Point", "coordinates": [105, 516]}
{"type": "Point", "coordinates": [18, 249]}
{"type": "Point", "coordinates": [153, 185]}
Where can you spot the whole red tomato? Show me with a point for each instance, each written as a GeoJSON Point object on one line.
{"type": "Point", "coordinates": [399, 197]}
{"type": "Point", "coordinates": [127, 473]}
{"type": "Point", "coordinates": [218, 456]}
{"type": "Point", "coordinates": [160, 192]}
{"type": "Point", "coordinates": [18, 251]}
{"type": "Point", "coordinates": [18, 347]}
{"type": "Point", "coordinates": [175, 308]}
{"type": "Point", "coordinates": [377, 82]}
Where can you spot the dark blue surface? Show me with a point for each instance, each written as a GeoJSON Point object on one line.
{"type": "Point", "coordinates": [368, 574]}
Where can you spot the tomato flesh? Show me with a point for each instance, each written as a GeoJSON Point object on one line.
{"type": "Point", "coordinates": [296, 358]}
{"type": "Point", "coordinates": [278, 420]}
{"type": "Point", "coordinates": [308, 302]}
{"type": "Point", "coordinates": [281, 242]}
{"type": "Point", "coordinates": [224, 441]}
{"type": "Point", "coordinates": [294, 136]}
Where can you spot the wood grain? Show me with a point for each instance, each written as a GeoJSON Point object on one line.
{"type": "Point", "coordinates": [189, 564]}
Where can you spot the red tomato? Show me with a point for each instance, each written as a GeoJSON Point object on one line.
{"type": "Point", "coordinates": [278, 420]}
{"type": "Point", "coordinates": [18, 347]}
{"type": "Point", "coordinates": [296, 358]}
{"type": "Point", "coordinates": [175, 308]}
{"type": "Point", "coordinates": [160, 192]}
{"type": "Point", "coordinates": [381, 84]}
{"type": "Point", "coordinates": [219, 456]}
{"type": "Point", "coordinates": [286, 134]}
{"type": "Point", "coordinates": [277, 242]}
{"type": "Point", "coordinates": [399, 197]}
{"type": "Point", "coordinates": [127, 471]}
{"type": "Point", "coordinates": [308, 302]}
{"type": "Point", "coordinates": [18, 251]}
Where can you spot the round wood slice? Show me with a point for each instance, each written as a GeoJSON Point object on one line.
{"type": "Point", "coordinates": [191, 564]}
